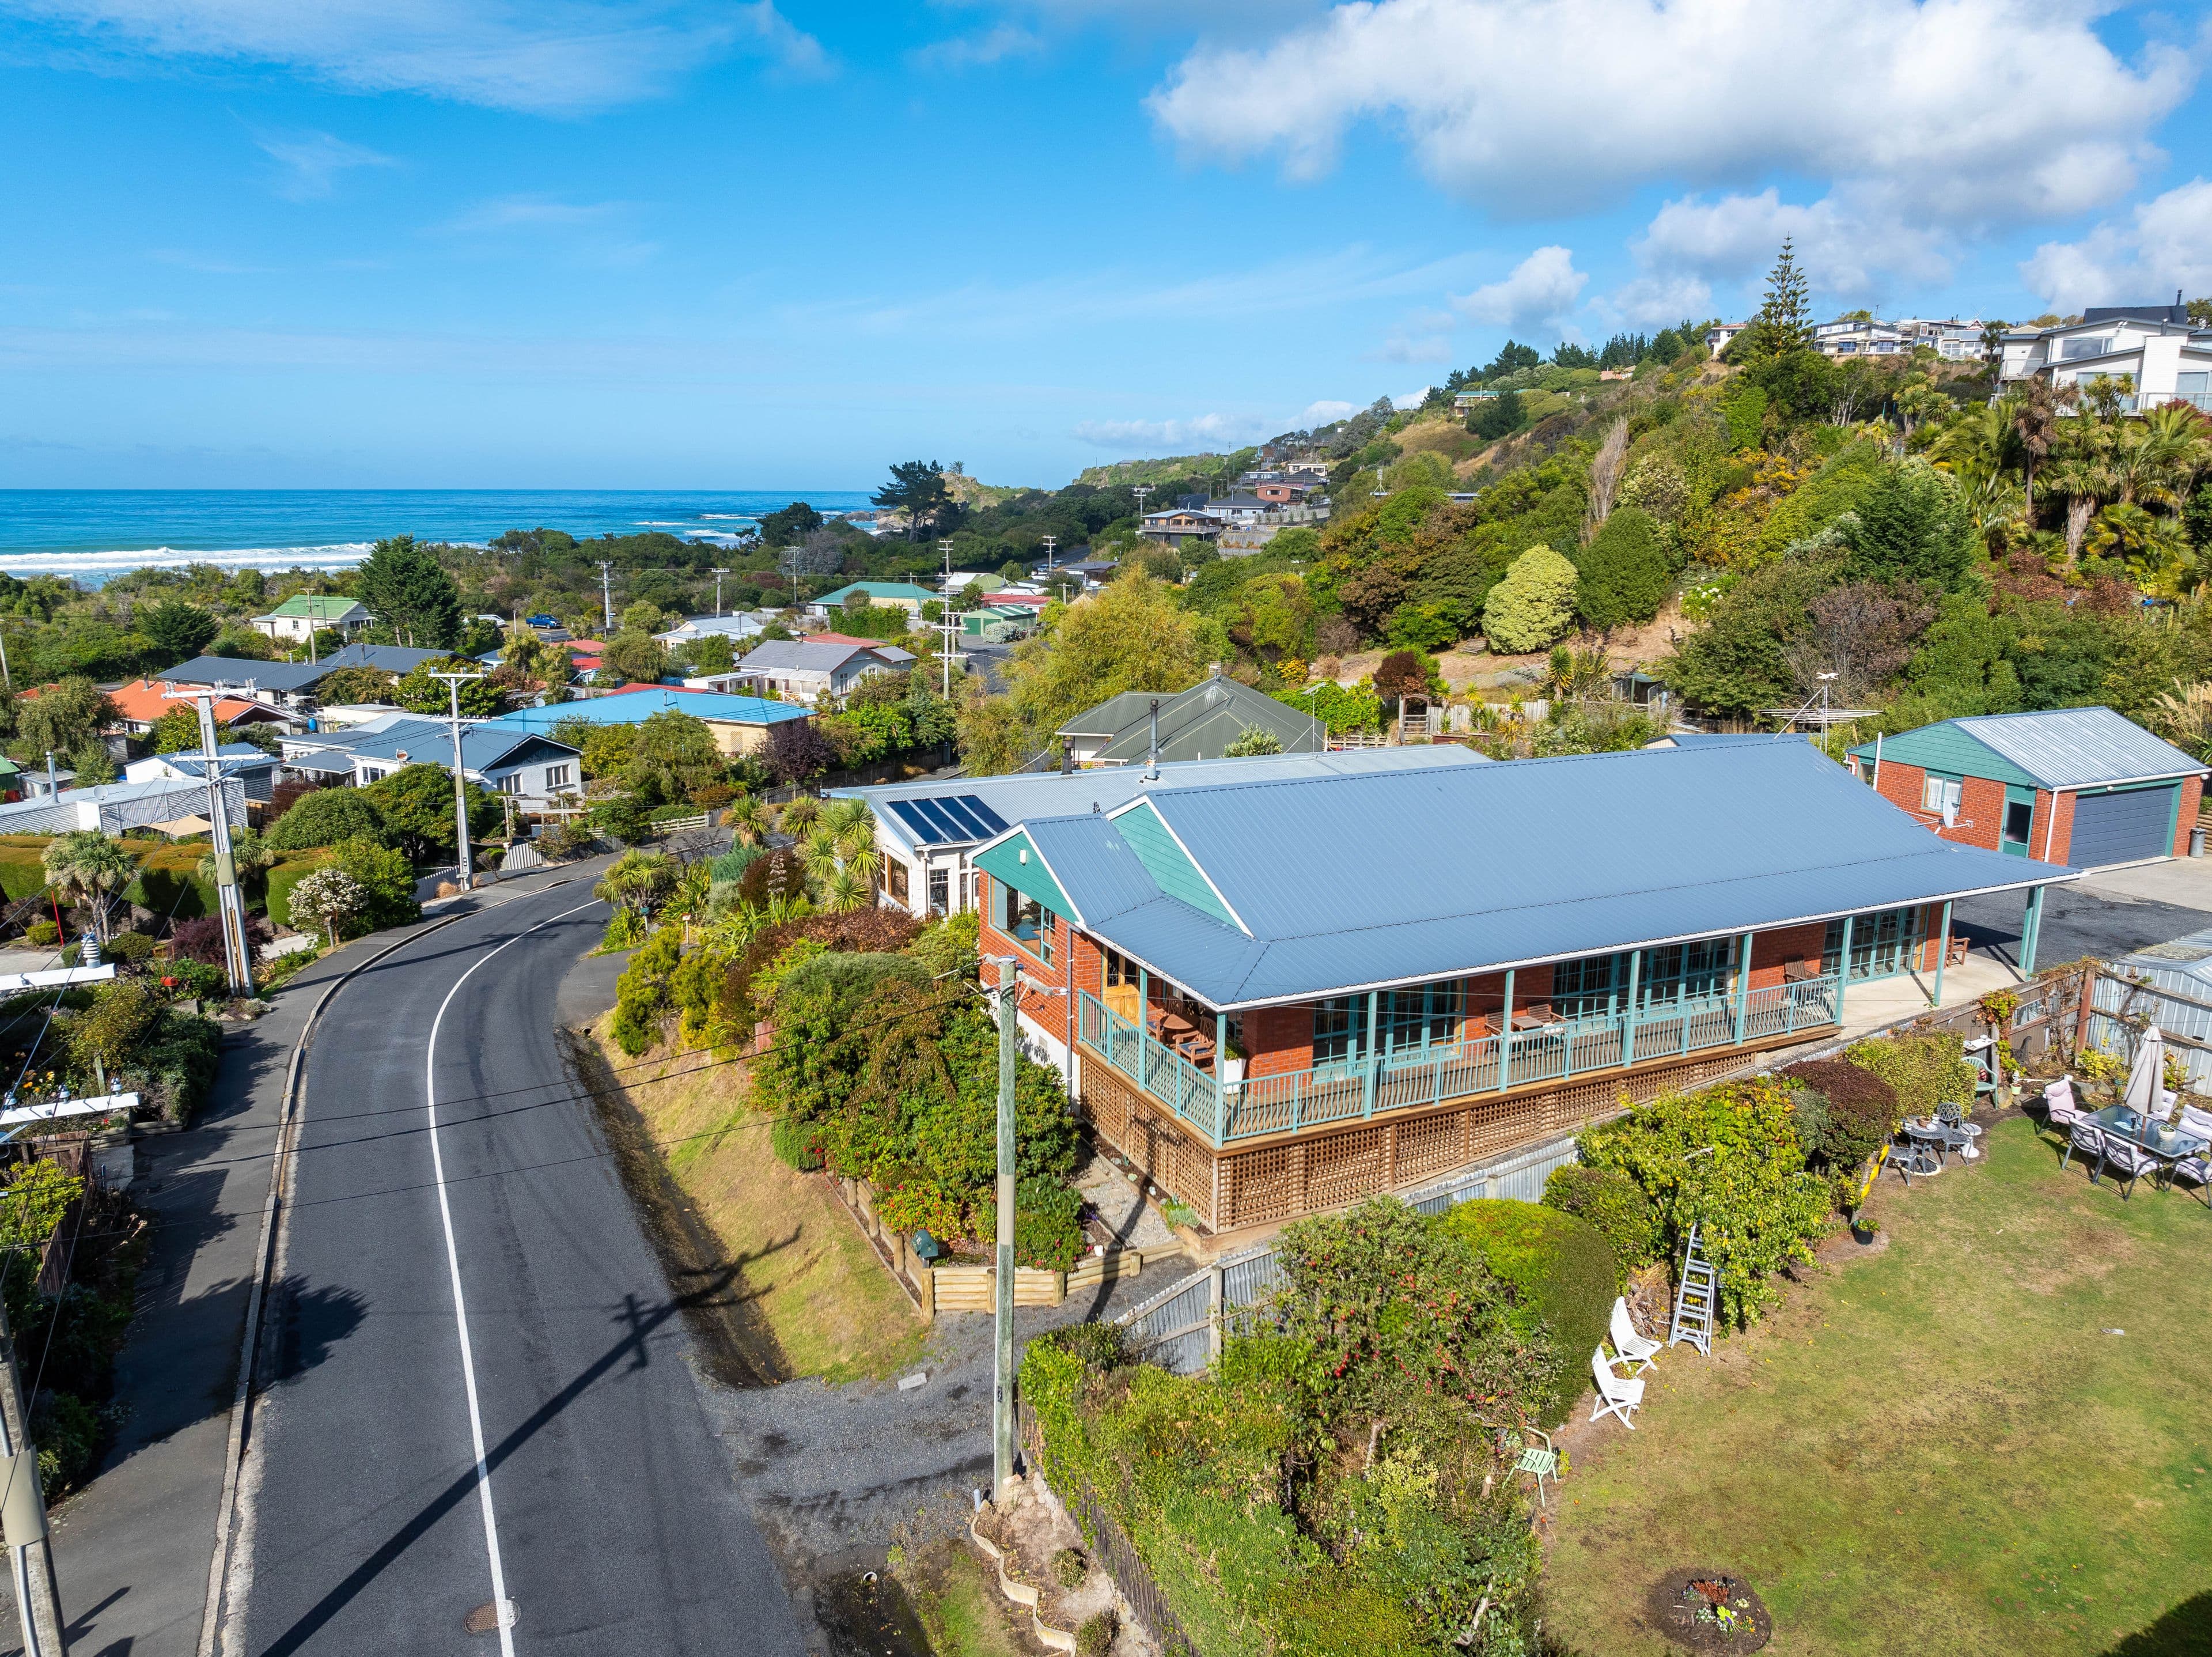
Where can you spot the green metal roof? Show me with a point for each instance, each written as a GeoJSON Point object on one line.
{"type": "Point", "coordinates": [1946, 747]}
{"type": "Point", "coordinates": [317, 606]}
{"type": "Point", "coordinates": [1015, 861]}
{"type": "Point", "coordinates": [878, 589]}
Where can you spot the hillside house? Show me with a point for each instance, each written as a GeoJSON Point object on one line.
{"type": "Point", "coordinates": [305, 614]}
{"type": "Point", "coordinates": [1275, 997]}
{"type": "Point", "coordinates": [1200, 723]}
{"type": "Point", "coordinates": [2082, 786]}
{"type": "Point", "coordinates": [739, 724]}
{"type": "Point", "coordinates": [1179, 524]}
{"type": "Point", "coordinates": [804, 671]}
{"type": "Point", "coordinates": [140, 704]}
{"type": "Point", "coordinates": [2166, 356]}
{"type": "Point", "coordinates": [895, 594]}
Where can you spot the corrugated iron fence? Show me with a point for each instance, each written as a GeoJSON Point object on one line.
{"type": "Point", "coordinates": [2121, 1007]}
{"type": "Point", "coordinates": [1114, 1551]}
{"type": "Point", "coordinates": [1176, 1328]}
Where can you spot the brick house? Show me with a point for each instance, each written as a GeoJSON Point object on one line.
{"type": "Point", "coordinates": [1279, 997]}
{"type": "Point", "coordinates": [2079, 786]}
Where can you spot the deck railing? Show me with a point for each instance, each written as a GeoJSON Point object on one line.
{"type": "Point", "coordinates": [1298, 1100]}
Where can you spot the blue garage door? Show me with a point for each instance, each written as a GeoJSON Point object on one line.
{"type": "Point", "coordinates": [2118, 828]}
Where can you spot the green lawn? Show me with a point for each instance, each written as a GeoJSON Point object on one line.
{"type": "Point", "coordinates": [1936, 1448]}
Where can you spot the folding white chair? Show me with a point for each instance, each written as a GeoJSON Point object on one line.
{"type": "Point", "coordinates": [1615, 1395]}
{"type": "Point", "coordinates": [2059, 1109]}
{"type": "Point", "coordinates": [1628, 1346]}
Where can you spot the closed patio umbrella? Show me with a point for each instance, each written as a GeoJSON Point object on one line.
{"type": "Point", "coordinates": [2147, 1077]}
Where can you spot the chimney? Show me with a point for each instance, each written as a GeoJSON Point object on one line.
{"type": "Point", "coordinates": [1152, 758]}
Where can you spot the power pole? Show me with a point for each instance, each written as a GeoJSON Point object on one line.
{"type": "Point", "coordinates": [23, 1516]}
{"type": "Point", "coordinates": [719, 574]}
{"type": "Point", "coordinates": [1002, 1365]}
{"type": "Point", "coordinates": [1051, 542]}
{"type": "Point", "coordinates": [5, 678]}
{"type": "Point", "coordinates": [231, 906]}
{"type": "Point", "coordinates": [606, 597]}
{"type": "Point", "coordinates": [466, 862]}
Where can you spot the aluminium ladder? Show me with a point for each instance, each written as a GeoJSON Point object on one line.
{"type": "Point", "coordinates": [1696, 1300]}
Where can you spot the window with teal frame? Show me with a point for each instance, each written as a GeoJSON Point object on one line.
{"type": "Point", "coordinates": [1882, 942]}
{"type": "Point", "coordinates": [1586, 988]}
{"type": "Point", "coordinates": [1425, 1016]}
{"type": "Point", "coordinates": [1678, 973]}
{"type": "Point", "coordinates": [1340, 1035]}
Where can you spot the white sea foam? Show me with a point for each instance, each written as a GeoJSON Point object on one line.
{"type": "Point", "coordinates": [102, 566]}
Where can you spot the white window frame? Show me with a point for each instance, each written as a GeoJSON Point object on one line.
{"type": "Point", "coordinates": [1941, 795]}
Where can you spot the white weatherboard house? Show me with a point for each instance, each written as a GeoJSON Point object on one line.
{"type": "Point", "coordinates": [2167, 357]}
{"type": "Point", "coordinates": [305, 613]}
{"type": "Point", "coordinates": [802, 670]}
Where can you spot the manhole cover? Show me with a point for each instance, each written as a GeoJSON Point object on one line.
{"type": "Point", "coordinates": [486, 1619]}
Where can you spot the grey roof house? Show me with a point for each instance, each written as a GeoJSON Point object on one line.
{"type": "Point", "coordinates": [1200, 723]}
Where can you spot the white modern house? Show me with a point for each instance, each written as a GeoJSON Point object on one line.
{"type": "Point", "coordinates": [510, 760]}
{"type": "Point", "coordinates": [2165, 357]}
{"type": "Point", "coordinates": [1951, 338]}
{"type": "Point", "coordinates": [737, 629]}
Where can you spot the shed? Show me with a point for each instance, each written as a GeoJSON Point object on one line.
{"type": "Point", "coordinates": [2084, 786]}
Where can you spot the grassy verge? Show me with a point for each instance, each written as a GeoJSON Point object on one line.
{"type": "Point", "coordinates": [960, 1607]}
{"type": "Point", "coordinates": [1948, 1445]}
{"type": "Point", "coordinates": [811, 1279]}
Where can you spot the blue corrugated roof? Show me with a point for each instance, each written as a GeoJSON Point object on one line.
{"type": "Point", "coordinates": [2061, 748]}
{"type": "Point", "coordinates": [1353, 882]}
{"type": "Point", "coordinates": [634, 707]}
{"type": "Point", "coordinates": [1038, 794]}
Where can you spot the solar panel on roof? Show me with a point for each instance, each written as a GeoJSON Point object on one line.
{"type": "Point", "coordinates": [948, 817]}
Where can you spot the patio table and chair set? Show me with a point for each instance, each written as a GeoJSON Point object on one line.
{"type": "Point", "coordinates": [2143, 1135]}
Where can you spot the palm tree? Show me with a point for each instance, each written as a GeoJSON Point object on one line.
{"type": "Point", "coordinates": [637, 880]}
{"type": "Point", "coordinates": [86, 866]}
{"type": "Point", "coordinates": [818, 852]}
{"type": "Point", "coordinates": [1980, 443]}
{"type": "Point", "coordinates": [2035, 411]}
{"type": "Point", "coordinates": [845, 891]}
{"type": "Point", "coordinates": [799, 814]}
{"type": "Point", "coordinates": [843, 817]}
{"type": "Point", "coordinates": [2081, 478]}
{"type": "Point", "coordinates": [748, 818]}
{"type": "Point", "coordinates": [250, 857]}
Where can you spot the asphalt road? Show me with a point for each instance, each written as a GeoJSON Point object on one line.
{"type": "Point", "coordinates": [567, 1451]}
{"type": "Point", "coordinates": [2107, 914]}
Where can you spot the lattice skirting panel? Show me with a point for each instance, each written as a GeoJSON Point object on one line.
{"type": "Point", "coordinates": [1330, 1167]}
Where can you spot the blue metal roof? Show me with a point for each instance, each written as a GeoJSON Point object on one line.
{"type": "Point", "coordinates": [2058, 748]}
{"type": "Point", "coordinates": [635, 707]}
{"type": "Point", "coordinates": [1348, 883]}
{"type": "Point", "coordinates": [1040, 793]}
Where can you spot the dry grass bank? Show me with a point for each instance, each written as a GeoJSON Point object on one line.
{"type": "Point", "coordinates": [810, 1279]}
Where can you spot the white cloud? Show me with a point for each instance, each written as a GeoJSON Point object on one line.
{"type": "Point", "coordinates": [2167, 244]}
{"type": "Point", "coordinates": [994, 45]}
{"type": "Point", "coordinates": [1324, 413]}
{"type": "Point", "coordinates": [312, 161]}
{"type": "Point", "coordinates": [1697, 255]}
{"type": "Point", "coordinates": [1542, 288]}
{"type": "Point", "coordinates": [557, 57]}
{"type": "Point", "coordinates": [1975, 110]}
{"type": "Point", "coordinates": [1404, 347]}
{"type": "Point", "coordinates": [1204, 431]}
{"type": "Point", "coordinates": [592, 233]}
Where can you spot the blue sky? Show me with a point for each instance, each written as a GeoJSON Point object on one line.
{"type": "Point", "coordinates": [621, 243]}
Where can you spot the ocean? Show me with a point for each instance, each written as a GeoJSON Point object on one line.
{"type": "Point", "coordinates": [96, 533]}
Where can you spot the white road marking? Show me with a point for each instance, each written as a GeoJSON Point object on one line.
{"type": "Point", "coordinates": [453, 1264]}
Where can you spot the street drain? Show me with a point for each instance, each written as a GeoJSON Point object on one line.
{"type": "Point", "coordinates": [484, 1619]}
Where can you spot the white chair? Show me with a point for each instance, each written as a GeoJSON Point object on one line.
{"type": "Point", "coordinates": [2059, 1108]}
{"type": "Point", "coordinates": [2196, 1123]}
{"type": "Point", "coordinates": [1615, 1395]}
{"type": "Point", "coordinates": [1628, 1346]}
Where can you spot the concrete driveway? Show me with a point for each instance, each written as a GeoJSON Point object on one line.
{"type": "Point", "coordinates": [2104, 915]}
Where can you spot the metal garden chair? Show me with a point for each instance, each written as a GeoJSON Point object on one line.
{"type": "Point", "coordinates": [1544, 1463]}
{"type": "Point", "coordinates": [2088, 1139]}
{"type": "Point", "coordinates": [2130, 1162]}
{"type": "Point", "coordinates": [1909, 1156]}
{"type": "Point", "coordinates": [1953, 1119]}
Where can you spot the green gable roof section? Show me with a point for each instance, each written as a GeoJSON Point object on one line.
{"type": "Point", "coordinates": [905, 592]}
{"type": "Point", "coordinates": [1014, 859]}
{"type": "Point", "coordinates": [314, 606]}
{"type": "Point", "coordinates": [1947, 748]}
{"type": "Point", "coordinates": [1171, 867]}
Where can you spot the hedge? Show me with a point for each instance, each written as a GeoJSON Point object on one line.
{"type": "Point", "coordinates": [1615, 1205]}
{"type": "Point", "coordinates": [1925, 1070]}
{"type": "Point", "coordinates": [288, 872]}
{"type": "Point", "coordinates": [1564, 1276]}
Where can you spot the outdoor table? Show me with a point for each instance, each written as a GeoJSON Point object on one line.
{"type": "Point", "coordinates": [2168, 1144]}
{"type": "Point", "coordinates": [1944, 1139]}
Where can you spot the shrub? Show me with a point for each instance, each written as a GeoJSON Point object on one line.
{"type": "Point", "coordinates": [1608, 1199]}
{"type": "Point", "coordinates": [388, 879]}
{"type": "Point", "coordinates": [1625, 572]}
{"type": "Point", "coordinates": [328, 898]}
{"type": "Point", "coordinates": [66, 1430]}
{"type": "Point", "coordinates": [201, 939]}
{"type": "Point", "coordinates": [1533, 607]}
{"type": "Point", "coordinates": [732, 864]}
{"type": "Point", "coordinates": [1047, 1232]}
{"type": "Point", "coordinates": [129, 948]}
{"type": "Point", "coordinates": [622, 819]}
{"type": "Point", "coordinates": [642, 994]}
{"type": "Point", "coordinates": [713, 796]}
{"type": "Point", "coordinates": [1924, 1070]}
{"type": "Point", "coordinates": [326, 817]}
{"type": "Point", "coordinates": [1756, 1208]}
{"type": "Point", "coordinates": [1096, 1637]}
{"type": "Point", "coordinates": [1100, 1346]}
{"type": "Point", "coordinates": [42, 934]}
{"type": "Point", "coordinates": [1564, 1276]}
{"type": "Point", "coordinates": [284, 878]}
{"type": "Point", "coordinates": [565, 840]}
{"type": "Point", "coordinates": [1069, 1568]}
{"type": "Point", "coordinates": [798, 1142]}
{"type": "Point", "coordinates": [671, 814]}
{"type": "Point", "coordinates": [1863, 1110]}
